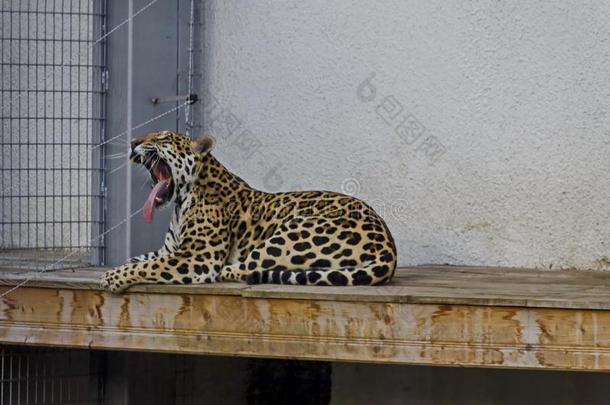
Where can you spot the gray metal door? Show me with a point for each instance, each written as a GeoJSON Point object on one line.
{"type": "Point", "coordinates": [155, 64]}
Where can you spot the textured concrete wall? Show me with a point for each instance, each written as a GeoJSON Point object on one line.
{"type": "Point", "coordinates": [480, 130]}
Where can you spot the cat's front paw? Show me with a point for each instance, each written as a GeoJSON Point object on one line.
{"type": "Point", "coordinates": [116, 280]}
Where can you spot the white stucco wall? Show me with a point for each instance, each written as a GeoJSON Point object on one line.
{"type": "Point", "coordinates": [505, 157]}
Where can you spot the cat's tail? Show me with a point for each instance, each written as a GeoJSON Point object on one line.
{"type": "Point", "coordinates": [371, 273]}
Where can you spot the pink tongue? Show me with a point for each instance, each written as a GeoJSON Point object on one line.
{"type": "Point", "coordinates": [149, 205]}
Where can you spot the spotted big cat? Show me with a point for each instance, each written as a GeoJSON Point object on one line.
{"type": "Point", "coordinates": [224, 230]}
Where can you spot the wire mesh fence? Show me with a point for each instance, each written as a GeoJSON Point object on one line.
{"type": "Point", "coordinates": [45, 376]}
{"type": "Point", "coordinates": [193, 82]}
{"type": "Point", "coordinates": [52, 93]}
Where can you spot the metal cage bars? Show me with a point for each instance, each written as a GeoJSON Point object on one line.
{"type": "Point", "coordinates": [50, 376]}
{"type": "Point", "coordinates": [52, 71]}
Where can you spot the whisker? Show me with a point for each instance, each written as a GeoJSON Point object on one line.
{"type": "Point", "coordinates": [116, 141]}
{"type": "Point", "coordinates": [157, 158]}
{"type": "Point", "coordinates": [116, 169]}
{"type": "Point", "coordinates": [116, 156]}
{"type": "Point", "coordinates": [144, 182]}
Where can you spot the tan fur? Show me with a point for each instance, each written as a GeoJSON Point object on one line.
{"type": "Point", "coordinates": [224, 230]}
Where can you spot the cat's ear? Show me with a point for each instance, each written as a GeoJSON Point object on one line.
{"type": "Point", "coordinates": [203, 144]}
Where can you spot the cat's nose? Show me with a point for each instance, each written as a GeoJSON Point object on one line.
{"type": "Point", "coordinates": [135, 142]}
{"type": "Point", "coordinates": [133, 156]}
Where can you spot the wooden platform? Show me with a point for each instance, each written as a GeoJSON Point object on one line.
{"type": "Point", "coordinates": [434, 315]}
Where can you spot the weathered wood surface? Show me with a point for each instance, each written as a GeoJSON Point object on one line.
{"type": "Point", "coordinates": [417, 285]}
{"type": "Point", "coordinates": [430, 315]}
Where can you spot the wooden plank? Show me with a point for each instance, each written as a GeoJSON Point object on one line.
{"type": "Point", "coordinates": [426, 285]}
{"type": "Point", "coordinates": [89, 279]}
{"type": "Point", "coordinates": [402, 333]}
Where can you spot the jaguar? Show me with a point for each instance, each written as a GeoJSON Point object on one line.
{"type": "Point", "coordinates": [222, 229]}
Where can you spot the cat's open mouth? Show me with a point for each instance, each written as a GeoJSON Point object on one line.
{"type": "Point", "coordinates": [163, 184]}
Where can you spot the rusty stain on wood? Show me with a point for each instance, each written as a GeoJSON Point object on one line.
{"type": "Point", "coordinates": [464, 326]}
